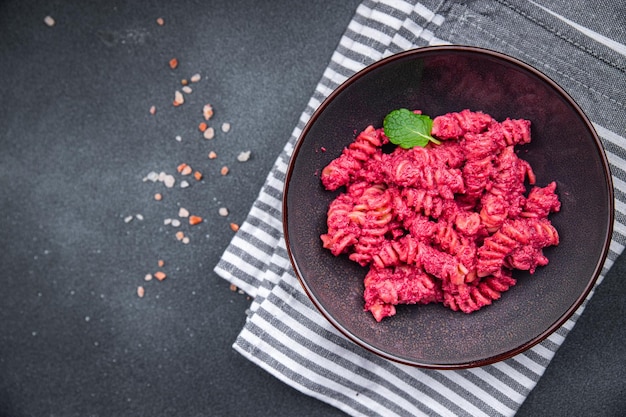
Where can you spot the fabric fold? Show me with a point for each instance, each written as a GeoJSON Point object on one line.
{"type": "Point", "coordinates": [285, 334]}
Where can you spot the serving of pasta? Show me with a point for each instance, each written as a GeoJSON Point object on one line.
{"type": "Point", "coordinates": [444, 223]}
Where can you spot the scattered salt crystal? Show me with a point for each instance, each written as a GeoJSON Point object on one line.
{"type": "Point", "coordinates": [139, 216]}
{"type": "Point", "coordinates": [225, 127]}
{"type": "Point", "coordinates": [186, 89]}
{"type": "Point", "coordinates": [128, 219]}
{"type": "Point", "coordinates": [186, 170]}
{"type": "Point", "coordinates": [148, 277]}
{"type": "Point", "coordinates": [186, 240]}
{"type": "Point", "coordinates": [140, 291]}
{"type": "Point", "coordinates": [184, 184]}
{"type": "Point", "coordinates": [243, 156]}
{"type": "Point", "coordinates": [160, 21]}
{"type": "Point", "coordinates": [209, 133]}
{"type": "Point", "coordinates": [49, 20]}
{"type": "Point", "coordinates": [161, 176]}
{"type": "Point", "coordinates": [169, 181]}
{"type": "Point", "coordinates": [183, 212]}
{"type": "Point", "coordinates": [178, 98]}
{"type": "Point", "coordinates": [195, 78]}
{"type": "Point", "coordinates": [179, 138]}
{"type": "Point", "coordinates": [175, 222]}
{"type": "Point", "coordinates": [152, 176]}
{"type": "Point", "coordinates": [207, 111]}
{"type": "Point", "coordinates": [167, 222]}
{"type": "Point", "coordinates": [153, 110]}
{"type": "Point", "coordinates": [223, 211]}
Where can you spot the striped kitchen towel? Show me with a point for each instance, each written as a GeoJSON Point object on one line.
{"type": "Point", "coordinates": [286, 335]}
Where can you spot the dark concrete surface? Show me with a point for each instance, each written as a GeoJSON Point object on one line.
{"type": "Point", "coordinates": [76, 141]}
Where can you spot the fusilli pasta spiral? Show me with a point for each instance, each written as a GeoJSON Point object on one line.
{"type": "Point", "coordinates": [445, 223]}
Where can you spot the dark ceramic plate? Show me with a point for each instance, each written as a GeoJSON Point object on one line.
{"type": "Point", "coordinates": [564, 148]}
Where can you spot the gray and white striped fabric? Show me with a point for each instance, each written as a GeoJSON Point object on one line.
{"type": "Point", "coordinates": [286, 335]}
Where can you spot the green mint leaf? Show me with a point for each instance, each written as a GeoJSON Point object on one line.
{"type": "Point", "coordinates": [407, 129]}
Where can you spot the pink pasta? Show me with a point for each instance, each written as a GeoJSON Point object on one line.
{"type": "Point", "coordinates": [445, 223]}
